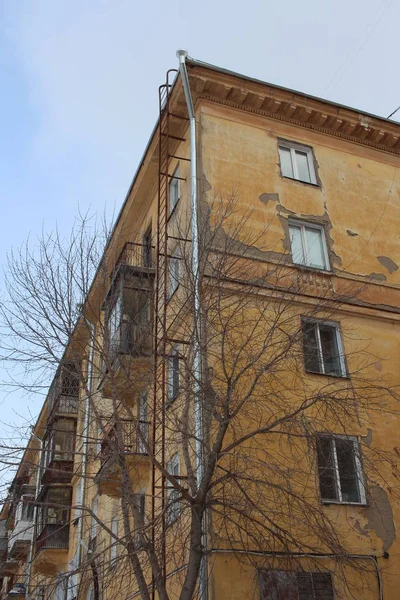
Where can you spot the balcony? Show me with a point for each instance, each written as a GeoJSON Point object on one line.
{"type": "Point", "coordinates": [64, 391]}
{"type": "Point", "coordinates": [128, 340]}
{"type": "Point", "coordinates": [58, 451]}
{"type": "Point", "coordinates": [3, 539]}
{"type": "Point", "coordinates": [132, 443]}
{"type": "Point", "coordinates": [20, 539]}
{"type": "Point", "coordinates": [52, 540]}
{"type": "Point", "coordinates": [9, 567]}
{"type": "Point", "coordinates": [63, 394]}
{"type": "Point", "coordinates": [17, 591]}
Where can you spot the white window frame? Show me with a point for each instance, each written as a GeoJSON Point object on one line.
{"type": "Point", "coordinates": [95, 511]}
{"type": "Point", "coordinates": [173, 356]}
{"type": "Point", "coordinates": [174, 191]}
{"type": "Point", "coordinates": [292, 147]}
{"type": "Point", "coordinates": [114, 545]}
{"type": "Point", "coordinates": [358, 467]}
{"type": "Point", "coordinates": [173, 511]}
{"type": "Point", "coordinates": [303, 225]}
{"type": "Point", "coordinates": [339, 343]}
{"type": "Point", "coordinates": [174, 267]}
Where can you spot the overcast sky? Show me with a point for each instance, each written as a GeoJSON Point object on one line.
{"type": "Point", "coordinates": [79, 81]}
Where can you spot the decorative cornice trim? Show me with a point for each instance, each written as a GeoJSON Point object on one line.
{"type": "Point", "coordinates": [353, 127]}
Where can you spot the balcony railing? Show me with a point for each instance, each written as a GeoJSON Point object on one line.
{"type": "Point", "coordinates": [135, 255]}
{"type": "Point", "coordinates": [17, 590]}
{"type": "Point", "coordinates": [134, 438]}
{"type": "Point", "coordinates": [63, 394]}
{"type": "Point", "coordinates": [53, 536]}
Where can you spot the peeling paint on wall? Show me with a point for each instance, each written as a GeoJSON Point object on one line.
{"type": "Point", "coordinates": [388, 263]}
{"type": "Point", "coordinates": [379, 516]}
{"type": "Point", "coordinates": [377, 277]}
{"type": "Point", "coordinates": [351, 233]}
{"type": "Point", "coordinates": [265, 198]}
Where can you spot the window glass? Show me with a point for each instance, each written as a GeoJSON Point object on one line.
{"type": "Point", "coordinates": [303, 169]}
{"type": "Point", "coordinates": [296, 244]}
{"type": "Point", "coordinates": [330, 351]}
{"type": "Point", "coordinates": [173, 507]}
{"type": "Point", "coordinates": [339, 476]}
{"type": "Point", "coordinates": [173, 268]}
{"type": "Point", "coordinates": [326, 468]}
{"type": "Point", "coordinates": [347, 470]}
{"type": "Point", "coordinates": [174, 191]}
{"type": "Point", "coordinates": [173, 374]}
{"type": "Point", "coordinates": [286, 162]}
{"type": "Point", "coordinates": [310, 344]}
{"type": "Point", "coordinates": [315, 250]}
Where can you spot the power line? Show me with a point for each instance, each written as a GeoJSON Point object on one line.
{"type": "Point", "coordinates": [363, 39]}
{"type": "Point", "coordinates": [393, 113]}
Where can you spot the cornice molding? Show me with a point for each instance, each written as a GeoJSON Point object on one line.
{"type": "Point", "coordinates": [296, 110]}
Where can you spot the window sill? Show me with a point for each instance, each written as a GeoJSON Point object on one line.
{"type": "Point", "coordinates": [170, 401]}
{"type": "Point", "coordinates": [338, 503]}
{"type": "Point", "coordinates": [308, 269]}
{"type": "Point", "coordinates": [310, 183]}
{"type": "Point", "coordinates": [173, 294]}
{"type": "Point", "coordinates": [345, 376]}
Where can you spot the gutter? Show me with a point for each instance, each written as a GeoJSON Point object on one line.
{"type": "Point", "coordinates": [197, 367]}
{"type": "Point", "coordinates": [81, 499]}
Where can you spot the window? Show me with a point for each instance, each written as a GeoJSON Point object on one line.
{"type": "Point", "coordinates": [339, 470]}
{"type": "Point", "coordinates": [173, 508]}
{"type": "Point", "coordinates": [173, 374]}
{"type": "Point", "coordinates": [147, 249]}
{"type": "Point", "coordinates": [297, 161]}
{"type": "Point", "coordinates": [308, 245]}
{"type": "Point", "coordinates": [114, 546]}
{"type": "Point", "coordinates": [143, 424]}
{"type": "Point", "coordinates": [323, 351]}
{"type": "Point", "coordinates": [174, 191]}
{"type": "Point", "coordinates": [173, 272]}
{"type": "Point", "coordinates": [94, 521]}
{"type": "Point", "coordinates": [296, 585]}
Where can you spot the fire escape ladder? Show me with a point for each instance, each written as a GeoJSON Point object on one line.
{"type": "Point", "coordinates": [168, 139]}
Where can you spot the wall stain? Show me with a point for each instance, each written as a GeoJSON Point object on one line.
{"type": "Point", "coordinates": [388, 263]}
{"type": "Point", "coordinates": [379, 516]}
{"type": "Point", "coordinates": [265, 198]}
{"type": "Point", "coordinates": [377, 277]}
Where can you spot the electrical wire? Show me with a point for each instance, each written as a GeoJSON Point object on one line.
{"type": "Point", "coordinates": [393, 113]}
{"type": "Point", "coordinates": [364, 38]}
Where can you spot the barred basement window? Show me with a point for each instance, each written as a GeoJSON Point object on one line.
{"type": "Point", "coordinates": [323, 350]}
{"type": "Point", "coordinates": [339, 470]}
{"type": "Point", "coordinates": [292, 585]}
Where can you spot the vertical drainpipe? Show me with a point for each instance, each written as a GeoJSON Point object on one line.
{"type": "Point", "coordinates": [35, 511]}
{"type": "Point", "coordinates": [81, 499]}
{"type": "Point", "coordinates": [197, 373]}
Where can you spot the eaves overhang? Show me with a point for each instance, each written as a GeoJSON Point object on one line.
{"type": "Point", "coordinates": [232, 89]}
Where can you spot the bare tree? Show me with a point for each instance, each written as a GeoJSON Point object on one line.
{"type": "Point", "coordinates": [266, 430]}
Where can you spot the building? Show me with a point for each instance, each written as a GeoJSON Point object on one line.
{"type": "Point", "coordinates": [241, 330]}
